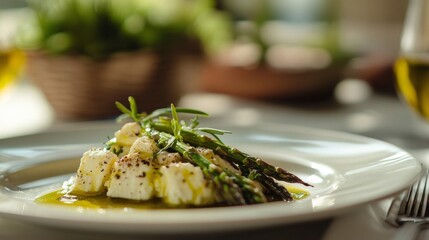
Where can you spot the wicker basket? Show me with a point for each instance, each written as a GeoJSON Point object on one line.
{"type": "Point", "coordinates": [265, 83]}
{"type": "Point", "coordinates": [80, 88]}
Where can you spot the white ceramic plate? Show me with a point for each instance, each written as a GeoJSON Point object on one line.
{"type": "Point", "coordinates": [346, 171]}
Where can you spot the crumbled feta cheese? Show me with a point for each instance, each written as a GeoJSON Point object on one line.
{"type": "Point", "coordinates": [132, 178]}
{"type": "Point", "coordinates": [94, 171]}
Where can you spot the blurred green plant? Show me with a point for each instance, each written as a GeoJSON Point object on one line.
{"type": "Point", "coordinates": [99, 28]}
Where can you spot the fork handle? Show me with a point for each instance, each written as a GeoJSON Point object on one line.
{"type": "Point", "coordinates": [409, 231]}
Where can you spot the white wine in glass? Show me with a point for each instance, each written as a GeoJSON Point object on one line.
{"type": "Point", "coordinates": [412, 67]}
{"type": "Point", "coordinates": [12, 59]}
{"type": "Point", "coordinates": [11, 63]}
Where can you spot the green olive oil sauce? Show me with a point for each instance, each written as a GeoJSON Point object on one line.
{"type": "Point", "coordinates": [97, 202]}
{"type": "Point", "coordinates": [59, 197]}
{"type": "Point", "coordinates": [297, 193]}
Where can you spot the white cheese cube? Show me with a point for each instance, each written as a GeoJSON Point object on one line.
{"type": "Point", "coordinates": [128, 133]}
{"type": "Point", "coordinates": [183, 184]}
{"type": "Point", "coordinates": [131, 178]}
{"type": "Point", "coordinates": [144, 147]}
{"type": "Point", "coordinates": [94, 170]}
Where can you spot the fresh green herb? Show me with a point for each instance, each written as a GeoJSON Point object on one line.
{"type": "Point", "coordinates": [175, 124]}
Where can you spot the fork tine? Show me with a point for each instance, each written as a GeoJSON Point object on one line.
{"type": "Point", "coordinates": [412, 198]}
{"type": "Point", "coordinates": [425, 195]}
{"type": "Point", "coordinates": [412, 205]}
{"type": "Point", "coordinates": [418, 197]}
{"type": "Point", "coordinates": [414, 202]}
{"type": "Point", "coordinates": [408, 201]}
{"type": "Point", "coordinates": [412, 212]}
{"type": "Point", "coordinates": [405, 200]}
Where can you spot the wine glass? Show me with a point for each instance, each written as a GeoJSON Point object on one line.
{"type": "Point", "coordinates": [412, 66]}
{"type": "Point", "coordinates": [11, 58]}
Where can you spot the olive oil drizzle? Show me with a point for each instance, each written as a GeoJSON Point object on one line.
{"type": "Point", "coordinates": [61, 198]}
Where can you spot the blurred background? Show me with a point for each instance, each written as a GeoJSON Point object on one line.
{"type": "Point", "coordinates": [69, 60]}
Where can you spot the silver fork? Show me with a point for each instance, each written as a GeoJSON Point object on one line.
{"type": "Point", "coordinates": [408, 212]}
